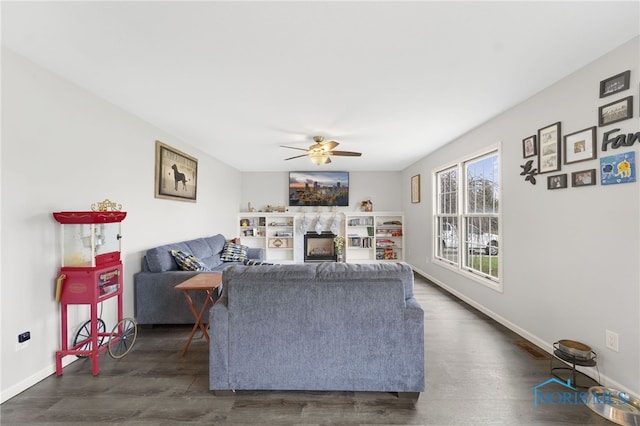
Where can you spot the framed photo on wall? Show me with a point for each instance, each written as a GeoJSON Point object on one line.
{"type": "Point", "coordinates": [529, 148]}
{"type": "Point", "coordinates": [580, 146]}
{"type": "Point", "coordinates": [176, 174]}
{"type": "Point", "coordinates": [415, 189]}
{"type": "Point", "coordinates": [615, 84]}
{"type": "Point", "coordinates": [549, 148]}
{"type": "Point", "coordinates": [618, 168]}
{"type": "Point", "coordinates": [557, 181]}
{"type": "Point", "coordinates": [615, 111]}
{"type": "Point", "coordinates": [583, 178]}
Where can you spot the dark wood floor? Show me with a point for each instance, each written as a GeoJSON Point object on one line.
{"type": "Point", "coordinates": [476, 374]}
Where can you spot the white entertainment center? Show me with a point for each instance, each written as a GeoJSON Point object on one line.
{"type": "Point", "coordinates": [370, 237]}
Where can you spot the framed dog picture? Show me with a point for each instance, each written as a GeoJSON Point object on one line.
{"type": "Point", "coordinates": [176, 174]}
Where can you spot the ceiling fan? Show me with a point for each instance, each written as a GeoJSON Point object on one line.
{"type": "Point", "coordinates": [320, 151]}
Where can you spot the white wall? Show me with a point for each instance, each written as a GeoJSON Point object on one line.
{"type": "Point", "coordinates": [571, 257]}
{"type": "Point", "coordinates": [64, 149]}
{"type": "Point", "coordinates": [571, 260]}
{"type": "Point", "coordinates": [272, 188]}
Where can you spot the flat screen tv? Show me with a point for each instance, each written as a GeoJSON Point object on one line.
{"type": "Point", "coordinates": [319, 189]}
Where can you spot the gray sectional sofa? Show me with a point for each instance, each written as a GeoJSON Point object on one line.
{"type": "Point", "coordinates": [318, 327]}
{"type": "Point", "coordinates": [156, 300]}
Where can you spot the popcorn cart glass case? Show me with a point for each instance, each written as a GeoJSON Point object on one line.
{"type": "Point", "coordinates": [91, 273]}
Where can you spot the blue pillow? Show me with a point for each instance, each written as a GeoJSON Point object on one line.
{"type": "Point", "coordinates": [188, 262]}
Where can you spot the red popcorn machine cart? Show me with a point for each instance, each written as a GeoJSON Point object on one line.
{"type": "Point", "coordinates": [91, 273]}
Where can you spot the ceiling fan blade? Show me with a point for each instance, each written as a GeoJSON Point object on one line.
{"type": "Point", "coordinates": [297, 156]}
{"type": "Point", "coordinates": [292, 147]}
{"type": "Point", "coordinates": [328, 146]}
{"type": "Point", "coordinates": [346, 153]}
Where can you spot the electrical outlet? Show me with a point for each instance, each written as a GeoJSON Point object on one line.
{"type": "Point", "coordinates": [23, 340]}
{"type": "Point", "coordinates": [611, 340]}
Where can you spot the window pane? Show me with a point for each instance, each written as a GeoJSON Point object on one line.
{"type": "Point", "coordinates": [447, 238]}
{"type": "Point", "coordinates": [448, 191]}
{"type": "Point", "coordinates": [482, 185]}
{"type": "Point", "coordinates": [481, 245]}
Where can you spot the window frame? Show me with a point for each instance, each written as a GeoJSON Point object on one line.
{"type": "Point", "coordinates": [459, 263]}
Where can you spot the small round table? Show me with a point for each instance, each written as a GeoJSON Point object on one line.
{"type": "Point", "coordinates": [592, 361]}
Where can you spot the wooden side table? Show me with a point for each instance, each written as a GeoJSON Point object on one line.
{"type": "Point", "coordinates": [207, 282]}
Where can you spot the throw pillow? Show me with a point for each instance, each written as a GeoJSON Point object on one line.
{"type": "Point", "coordinates": [232, 252]}
{"type": "Point", "coordinates": [250, 262]}
{"type": "Point", "coordinates": [188, 262]}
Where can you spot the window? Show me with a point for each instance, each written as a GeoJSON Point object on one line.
{"type": "Point", "coordinates": [467, 217]}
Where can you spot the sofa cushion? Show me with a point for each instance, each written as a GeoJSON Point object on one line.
{"type": "Point", "coordinates": [188, 262]}
{"type": "Point", "coordinates": [391, 270]}
{"type": "Point", "coordinates": [199, 248]}
{"type": "Point", "coordinates": [232, 252]}
{"type": "Point", "coordinates": [276, 273]}
{"type": "Point", "coordinates": [159, 259]}
{"type": "Point", "coordinates": [216, 242]}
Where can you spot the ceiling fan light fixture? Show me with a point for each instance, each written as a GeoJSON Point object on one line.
{"type": "Point", "coordinates": [321, 152]}
{"type": "Point", "coordinates": [319, 158]}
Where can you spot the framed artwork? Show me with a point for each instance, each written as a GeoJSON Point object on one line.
{"type": "Point", "coordinates": [619, 168]}
{"type": "Point", "coordinates": [615, 84]}
{"type": "Point", "coordinates": [583, 178]}
{"type": "Point", "coordinates": [278, 243]}
{"type": "Point", "coordinates": [557, 181]}
{"type": "Point", "coordinates": [176, 174]}
{"type": "Point", "coordinates": [529, 148]}
{"type": "Point", "coordinates": [615, 111]}
{"type": "Point", "coordinates": [319, 189]}
{"type": "Point", "coordinates": [580, 146]}
{"type": "Point", "coordinates": [549, 148]}
{"type": "Point", "coordinates": [415, 189]}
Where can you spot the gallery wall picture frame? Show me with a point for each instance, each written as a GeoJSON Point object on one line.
{"type": "Point", "coordinates": [580, 146]}
{"type": "Point", "coordinates": [615, 84]}
{"type": "Point", "coordinates": [618, 168]}
{"type": "Point", "coordinates": [557, 181]}
{"type": "Point", "coordinates": [619, 110]}
{"type": "Point", "coordinates": [549, 138]}
{"type": "Point", "coordinates": [176, 174]}
{"type": "Point", "coordinates": [415, 189]}
{"type": "Point", "coordinates": [583, 178]}
{"type": "Point", "coordinates": [529, 147]}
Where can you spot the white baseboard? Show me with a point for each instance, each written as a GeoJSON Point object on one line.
{"type": "Point", "coordinates": [546, 346]}
{"type": "Point", "coordinates": [32, 380]}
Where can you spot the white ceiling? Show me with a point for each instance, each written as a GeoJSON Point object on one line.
{"type": "Point", "coordinates": [394, 80]}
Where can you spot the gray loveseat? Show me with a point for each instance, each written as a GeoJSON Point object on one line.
{"type": "Point", "coordinates": [317, 327]}
{"type": "Point", "coordinates": [156, 299]}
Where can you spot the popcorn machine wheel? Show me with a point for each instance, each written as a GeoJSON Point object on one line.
{"type": "Point", "coordinates": [120, 340]}
{"type": "Point", "coordinates": [91, 274]}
